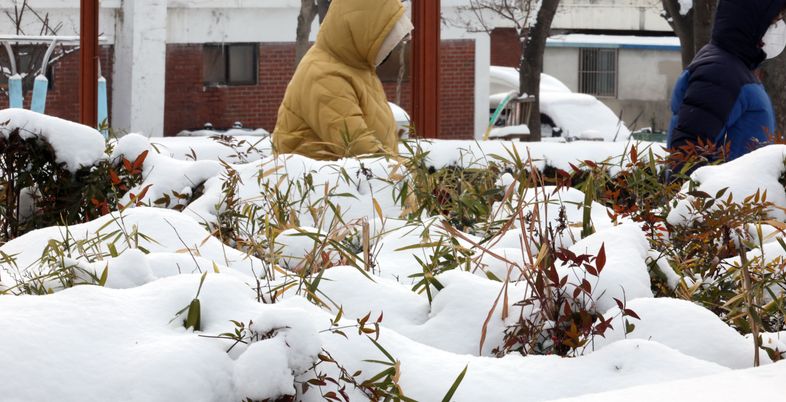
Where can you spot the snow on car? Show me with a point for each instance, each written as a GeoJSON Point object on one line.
{"type": "Point", "coordinates": [563, 112]}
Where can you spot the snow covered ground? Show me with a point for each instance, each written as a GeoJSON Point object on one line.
{"type": "Point", "coordinates": [126, 340]}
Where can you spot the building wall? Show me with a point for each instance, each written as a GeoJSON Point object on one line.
{"type": "Point", "coordinates": [625, 15]}
{"type": "Point", "coordinates": [645, 82]}
{"type": "Point", "coordinates": [63, 98]}
{"type": "Point", "coordinates": [189, 104]}
{"type": "Point", "coordinates": [563, 64]}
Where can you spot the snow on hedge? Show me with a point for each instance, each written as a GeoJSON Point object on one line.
{"type": "Point", "coordinates": [558, 155]}
{"type": "Point", "coordinates": [237, 149]}
{"type": "Point", "coordinates": [758, 171]}
{"type": "Point", "coordinates": [352, 185]}
{"type": "Point", "coordinates": [127, 341]}
{"type": "Point", "coordinates": [87, 246]}
{"type": "Point", "coordinates": [95, 344]}
{"type": "Point", "coordinates": [75, 145]}
{"type": "Point", "coordinates": [164, 176]}
{"type": "Point", "coordinates": [760, 384]}
{"type": "Point", "coordinates": [683, 326]}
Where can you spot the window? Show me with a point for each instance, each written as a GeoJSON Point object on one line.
{"type": "Point", "coordinates": [598, 72]}
{"type": "Point", "coordinates": [230, 64]}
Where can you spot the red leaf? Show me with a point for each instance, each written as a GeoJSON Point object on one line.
{"type": "Point", "coordinates": [600, 261]}
{"type": "Point", "coordinates": [113, 176]}
{"type": "Point", "coordinates": [140, 160]}
{"type": "Point", "coordinates": [631, 313]}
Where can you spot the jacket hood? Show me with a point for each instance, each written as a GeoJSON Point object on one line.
{"type": "Point", "coordinates": [354, 30]}
{"type": "Point", "coordinates": [740, 26]}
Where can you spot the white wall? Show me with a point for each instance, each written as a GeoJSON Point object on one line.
{"type": "Point", "coordinates": [645, 81]}
{"type": "Point", "coordinates": [563, 64]}
{"type": "Point", "coordinates": [633, 15]}
{"type": "Point", "coordinates": [648, 75]}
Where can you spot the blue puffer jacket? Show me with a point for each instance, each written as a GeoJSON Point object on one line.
{"type": "Point", "coordinates": [718, 98]}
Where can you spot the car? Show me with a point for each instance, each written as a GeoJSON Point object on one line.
{"type": "Point", "coordinates": [563, 112]}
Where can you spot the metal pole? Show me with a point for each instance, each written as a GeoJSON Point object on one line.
{"type": "Point", "coordinates": [425, 67]}
{"type": "Point", "coordinates": [88, 68]}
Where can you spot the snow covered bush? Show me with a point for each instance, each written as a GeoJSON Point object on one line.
{"type": "Point", "coordinates": [55, 172]}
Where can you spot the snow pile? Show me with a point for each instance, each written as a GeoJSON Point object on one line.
{"type": "Point", "coordinates": [263, 329]}
{"type": "Point", "coordinates": [683, 326]}
{"type": "Point", "coordinates": [476, 154]}
{"type": "Point", "coordinates": [760, 384]}
{"type": "Point", "coordinates": [758, 171]}
{"type": "Point", "coordinates": [549, 206]}
{"type": "Point", "coordinates": [351, 185]}
{"type": "Point", "coordinates": [94, 344]}
{"type": "Point", "coordinates": [625, 275]}
{"type": "Point", "coordinates": [502, 132]}
{"type": "Point", "coordinates": [87, 247]}
{"type": "Point", "coordinates": [164, 177]}
{"type": "Point", "coordinates": [583, 116]}
{"type": "Point", "coordinates": [75, 145]}
{"type": "Point", "coordinates": [230, 150]}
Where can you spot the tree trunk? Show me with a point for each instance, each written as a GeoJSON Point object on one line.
{"type": "Point", "coordinates": [774, 79]}
{"type": "Point", "coordinates": [322, 9]}
{"type": "Point", "coordinates": [308, 11]}
{"type": "Point", "coordinates": [683, 28]}
{"type": "Point", "coordinates": [534, 45]}
{"type": "Point", "coordinates": [703, 17]}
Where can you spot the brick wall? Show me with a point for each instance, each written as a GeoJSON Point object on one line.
{"type": "Point", "coordinates": [457, 89]}
{"type": "Point", "coordinates": [189, 104]}
{"type": "Point", "coordinates": [63, 98]}
{"type": "Point", "coordinates": [505, 47]}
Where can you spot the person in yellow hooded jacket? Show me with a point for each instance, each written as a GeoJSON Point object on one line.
{"type": "Point", "coordinates": [335, 105]}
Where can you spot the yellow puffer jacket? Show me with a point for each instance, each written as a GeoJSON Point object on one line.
{"type": "Point", "coordinates": [335, 105]}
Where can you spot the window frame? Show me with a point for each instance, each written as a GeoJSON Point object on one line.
{"type": "Point", "coordinates": [593, 87]}
{"type": "Point", "coordinates": [226, 81]}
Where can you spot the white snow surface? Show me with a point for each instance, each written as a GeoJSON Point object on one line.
{"type": "Point", "coordinates": [75, 145]}
{"type": "Point", "coordinates": [126, 340]}
{"type": "Point", "coordinates": [758, 171]}
{"type": "Point", "coordinates": [231, 150]}
{"type": "Point", "coordinates": [760, 384]}
{"type": "Point", "coordinates": [477, 154]}
{"type": "Point", "coordinates": [151, 229]}
{"type": "Point", "coordinates": [683, 326]}
{"type": "Point", "coordinates": [164, 176]}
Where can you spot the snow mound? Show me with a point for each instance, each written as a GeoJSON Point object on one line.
{"type": "Point", "coordinates": [148, 229]}
{"type": "Point", "coordinates": [237, 149]}
{"type": "Point", "coordinates": [625, 275]}
{"type": "Point", "coordinates": [760, 384]}
{"type": "Point", "coordinates": [352, 185]}
{"type": "Point", "coordinates": [75, 145]}
{"type": "Point", "coordinates": [169, 182]}
{"type": "Point", "coordinates": [759, 171]}
{"type": "Point", "coordinates": [686, 327]}
{"type": "Point", "coordinates": [95, 344]}
{"type": "Point", "coordinates": [478, 154]}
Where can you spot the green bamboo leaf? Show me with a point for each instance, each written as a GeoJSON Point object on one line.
{"type": "Point", "coordinates": [455, 385]}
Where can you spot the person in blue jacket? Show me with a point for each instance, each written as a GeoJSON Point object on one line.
{"type": "Point", "coordinates": [718, 99]}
